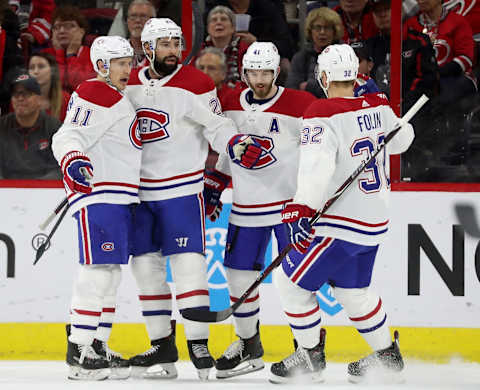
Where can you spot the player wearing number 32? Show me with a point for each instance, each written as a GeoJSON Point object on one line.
{"type": "Point", "coordinates": [100, 156]}
{"type": "Point", "coordinates": [338, 134]}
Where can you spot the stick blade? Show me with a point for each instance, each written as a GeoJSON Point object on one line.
{"type": "Point", "coordinates": [40, 251]}
{"type": "Point", "coordinates": [468, 218]}
{"type": "Point", "coordinates": [200, 315]}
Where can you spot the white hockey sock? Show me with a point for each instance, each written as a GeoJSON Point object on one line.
{"type": "Point", "coordinates": [89, 291]}
{"type": "Point", "coordinates": [190, 276]}
{"type": "Point", "coordinates": [247, 315]}
{"type": "Point", "coordinates": [150, 272]}
{"type": "Point", "coordinates": [365, 310]}
{"type": "Point", "coordinates": [301, 308]}
{"type": "Point", "coordinates": [108, 310]}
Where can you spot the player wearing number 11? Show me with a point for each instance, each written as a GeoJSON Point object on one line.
{"type": "Point", "coordinates": [338, 133]}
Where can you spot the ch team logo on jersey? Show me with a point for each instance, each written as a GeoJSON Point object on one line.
{"type": "Point", "coordinates": [266, 158]}
{"type": "Point", "coordinates": [134, 134]}
{"type": "Point", "coordinates": [108, 246]}
{"type": "Point", "coordinates": [152, 124]}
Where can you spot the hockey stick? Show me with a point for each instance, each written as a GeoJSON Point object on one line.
{"type": "Point", "coordinates": [218, 316]}
{"type": "Point", "coordinates": [468, 219]}
{"type": "Point", "coordinates": [41, 249]}
{"type": "Point", "coordinates": [198, 23]}
{"type": "Point", "coordinates": [52, 215]}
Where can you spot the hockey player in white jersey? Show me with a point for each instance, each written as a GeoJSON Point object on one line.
{"type": "Point", "coordinates": [273, 116]}
{"type": "Point", "coordinates": [178, 116]}
{"type": "Point", "coordinates": [338, 133]}
{"type": "Point", "coordinates": [99, 151]}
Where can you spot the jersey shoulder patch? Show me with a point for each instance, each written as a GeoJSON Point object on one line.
{"type": "Point", "coordinates": [191, 79]}
{"type": "Point", "coordinates": [99, 93]}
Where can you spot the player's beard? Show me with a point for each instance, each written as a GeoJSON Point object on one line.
{"type": "Point", "coordinates": [163, 68]}
{"type": "Point", "coordinates": [262, 93]}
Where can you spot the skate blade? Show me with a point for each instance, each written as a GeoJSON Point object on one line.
{"type": "Point", "coordinates": [242, 369]}
{"type": "Point", "coordinates": [157, 371]}
{"type": "Point", "coordinates": [378, 376]}
{"type": "Point", "coordinates": [119, 373]}
{"type": "Point", "coordinates": [79, 373]}
{"type": "Point", "coordinates": [313, 377]}
{"type": "Point", "coordinates": [203, 373]}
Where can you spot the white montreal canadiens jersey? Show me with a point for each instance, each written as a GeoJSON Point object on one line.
{"type": "Point", "coordinates": [259, 194]}
{"type": "Point", "coordinates": [338, 134]}
{"type": "Point", "coordinates": [100, 123]}
{"type": "Point", "coordinates": [178, 116]}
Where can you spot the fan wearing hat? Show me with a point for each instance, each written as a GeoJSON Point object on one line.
{"type": "Point", "coordinates": [26, 133]}
{"type": "Point", "coordinates": [364, 83]}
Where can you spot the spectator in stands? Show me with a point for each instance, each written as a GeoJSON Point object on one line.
{"type": "Point", "coordinates": [454, 47]}
{"type": "Point", "coordinates": [35, 19]}
{"type": "Point", "coordinates": [419, 67]}
{"type": "Point", "coordinates": [213, 62]}
{"type": "Point", "coordinates": [26, 134]}
{"type": "Point", "coordinates": [470, 9]}
{"type": "Point", "coordinates": [68, 30]}
{"type": "Point", "coordinates": [323, 27]}
{"type": "Point", "coordinates": [357, 20]}
{"type": "Point", "coordinates": [266, 24]}
{"type": "Point", "coordinates": [138, 13]}
{"type": "Point", "coordinates": [364, 83]}
{"type": "Point", "coordinates": [221, 34]}
{"type": "Point", "coordinates": [169, 9]}
{"type": "Point", "coordinates": [54, 99]}
{"type": "Point", "coordinates": [10, 55]}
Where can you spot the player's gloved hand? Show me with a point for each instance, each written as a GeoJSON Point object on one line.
{"type": "Point", "coordinates": [244, 150]}
{"type": "Point", "coordinates": [300, 232]}
{"type": "Point", "coordinates": [214, 184]}
{"type": "Point", "coordinates": [369, 87]}
{"type": "Point", "coordinates": [77, 172]}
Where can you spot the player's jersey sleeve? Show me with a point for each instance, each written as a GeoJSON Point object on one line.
{"type": "Point", "coordinates": [318, 151]}
{"type": "Point", "coordinates": [85, 123]}
{"type": "Point", "coordinates": [206, 110]}
{"type": "Point", "coordinates": [223, 164]}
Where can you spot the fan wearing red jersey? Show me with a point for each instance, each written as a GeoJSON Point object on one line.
{"type": "Point", "coordinates": [340, 249]}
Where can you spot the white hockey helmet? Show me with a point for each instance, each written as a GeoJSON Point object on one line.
{"type": "Point", "coordinates": [160, 28]}
{"type": "Point", "coordinates": [261, 55]}
{"type": "Point", "coordinates": [338, 62]}
{"type": "Point", "coordinates": [106, 48]}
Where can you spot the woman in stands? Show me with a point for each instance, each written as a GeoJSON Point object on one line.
{"type": "Point", "coordinates": [54, 100]}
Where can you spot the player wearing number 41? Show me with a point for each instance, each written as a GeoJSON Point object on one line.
{"type": "Point", "coordinates": [273, 115]}
{"type": "Point", "coordinates": [179, 115]}
{"type": "Point", "coordinates": [100, 159]}
{"type": "Point", "coordinates": [338, 134]}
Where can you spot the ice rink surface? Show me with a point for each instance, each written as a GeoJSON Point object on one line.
{"type": "Point", "coordinates": [39, 375]}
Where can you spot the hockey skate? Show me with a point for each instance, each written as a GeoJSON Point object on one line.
{"type": "Point", "coordinates": [303, 366]}
{"type": "Point", "coordinates": [158, 362]}
{"type": "Point", "coordinates": [200, 357]}
{"type": "Point", "coordinates": [240, 358]}
{"type": "Point", "coordinates": [386, 364]}
{"type": "Point", "coordinates": [119, 367]}
{"type": "Point", "coordinates": [85, 364]}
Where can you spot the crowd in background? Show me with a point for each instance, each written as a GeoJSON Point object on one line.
{"type": "Point", "coordinates": [44, 55]}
